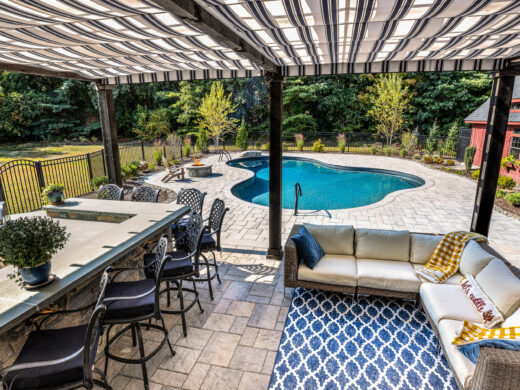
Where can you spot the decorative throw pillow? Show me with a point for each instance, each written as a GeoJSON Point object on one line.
{"type": "Point", "coordinates": [309, 251]}
{"type": "Point", "coordinates": [488, 311]}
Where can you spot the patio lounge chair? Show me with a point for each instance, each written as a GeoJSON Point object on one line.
{"type": "Point", "coordinates": [172, 172]}
{"type": "Point", "coordinates": [59, 358]}
{"type": "Point", "coordinates": [383, 262]}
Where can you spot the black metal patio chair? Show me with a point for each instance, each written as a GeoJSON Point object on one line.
{"type": "Point", "coordinates": [183, 266]}
{"type": "Point", "coordinates": [110, 192]}
{"type": "Point", "coordinates": [193, 198]}
{"type": "Point", "coordinates": [211, 241]}
{"type": "Point", "coordinates": [132, 303]}
{"type": "Point", "coordinates": [60, 358]}
{"type": "Point", "coordinates": [145, 194]}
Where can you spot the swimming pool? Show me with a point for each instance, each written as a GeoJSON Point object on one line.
{"type": "Point", "coordinates": [324, 186]}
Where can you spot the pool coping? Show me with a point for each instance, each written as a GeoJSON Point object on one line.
{"type": "Point", "coordinates": [428, 183]}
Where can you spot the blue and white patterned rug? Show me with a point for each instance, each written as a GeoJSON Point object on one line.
{"type": "Point", "coordinates": [331, 342]}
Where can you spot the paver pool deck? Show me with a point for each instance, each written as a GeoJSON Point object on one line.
{"type": "Point", "coordinates": [233, 344]}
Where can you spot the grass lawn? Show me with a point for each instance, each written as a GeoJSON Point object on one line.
{"type": "Point", "coordinates": [39, 151]}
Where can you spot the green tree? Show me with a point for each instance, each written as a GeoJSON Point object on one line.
{"type": "Point", "coordinates": [433, 138]}
{"type": "Point", "coordinates": [152, 125]}
{"type": "Point", "coordinates": [242, 141]}
{"type": "Point", "coordinates": [299, 124]}
{"type": "Point", "coordinates": [452, 141]}
{"type": "Point", "coordinates": [390, 101]}
{"type": "Point", "coordinates": [215, 110]}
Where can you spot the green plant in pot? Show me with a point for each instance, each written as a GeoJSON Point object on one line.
{"type": "Point", "coordinates": [53, 194]}
{"type": "Point", "coordinates": [28, 244]}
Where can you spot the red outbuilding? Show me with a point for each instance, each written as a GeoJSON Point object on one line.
{"type": "Point", "coordinates": [478, 120]}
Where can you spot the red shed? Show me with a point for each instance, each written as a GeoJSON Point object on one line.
{"type": "Point", "coordinates": [478, 120]}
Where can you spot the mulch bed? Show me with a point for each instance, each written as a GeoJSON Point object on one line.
{"type": "Point", "coordinates": [506, 206]}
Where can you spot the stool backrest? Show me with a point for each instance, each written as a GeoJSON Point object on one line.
{"type": "Point", "coordinates": [193, 198]}
{"type": "Point", "coordinates": [110, 192]}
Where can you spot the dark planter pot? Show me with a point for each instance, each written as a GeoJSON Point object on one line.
{"type": "Point", "coordinates": [36, 275]}
{"type": "Point", "coordinates": [55, 197]}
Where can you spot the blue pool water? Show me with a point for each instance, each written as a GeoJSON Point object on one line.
{"type": "Point", "coordinates": [324, 186]}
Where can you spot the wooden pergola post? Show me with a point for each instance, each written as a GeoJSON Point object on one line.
{"type": "Point", "coordinates": [109, 132]}
{"type": "Point", "coordinates": [276, 81]}
{"type": "Point", "coordinates": [499, 106]}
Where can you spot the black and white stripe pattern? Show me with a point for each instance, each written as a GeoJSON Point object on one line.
{"type": "Point", "coordinates": [138, 41]}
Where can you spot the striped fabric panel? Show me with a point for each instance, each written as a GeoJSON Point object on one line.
{"type": "Point", "coordinates": [470, 333]}
{"type": "Point", "coordinates": [130, 41]}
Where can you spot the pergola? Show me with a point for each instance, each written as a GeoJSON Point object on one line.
{"type": "Point", "coordinates": [110, 42]}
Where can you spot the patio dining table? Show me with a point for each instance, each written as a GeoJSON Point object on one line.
{"type": "Point", "coordinates": [102, 232]}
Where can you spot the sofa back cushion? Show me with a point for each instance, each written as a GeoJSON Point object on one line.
{"type": "Point", "coordinates": [333, 239]}
{"type": "Point", "coordinates": [422, 247]}
{"type": "Point", "coordinates": [383, 244]}
{"type": "Point", "coordinates": [473, 259]}
{"type": "Point", "coordinates": [502, 286]}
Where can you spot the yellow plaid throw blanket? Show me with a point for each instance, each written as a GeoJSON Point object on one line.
{"type": "Point", "coordinates": [471, 333]}
{"type": "Point", "coordinates": [445, 258]}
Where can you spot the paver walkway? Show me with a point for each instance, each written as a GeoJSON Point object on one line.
{"type": "Point", "coordinates": [233, 344]}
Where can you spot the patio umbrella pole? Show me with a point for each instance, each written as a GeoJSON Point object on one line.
{"type": "Point", "coordinates": [276, 81]}
{"type": "Point", "coordinates": [499, 106]}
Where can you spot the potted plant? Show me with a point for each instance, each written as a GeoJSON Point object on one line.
{"type": "Point", "coordinates": [28, 244]}
{"type": "Point", "coordinates": [53, 194]}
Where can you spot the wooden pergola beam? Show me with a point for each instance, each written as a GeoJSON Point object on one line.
{"type": "Point", "coordinates": [197, 16]}
{"type": "Point", "coordinates": [37, 71]}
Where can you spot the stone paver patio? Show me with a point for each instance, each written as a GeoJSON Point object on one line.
{"type": "Point", "coordinates": [233, 344]}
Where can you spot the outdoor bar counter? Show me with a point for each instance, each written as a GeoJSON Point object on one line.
{"type": "Point", "coordinates": [102, 232]}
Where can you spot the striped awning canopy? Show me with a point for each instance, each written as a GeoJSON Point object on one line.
{"type": "Point", "coordinates": [131, 41]}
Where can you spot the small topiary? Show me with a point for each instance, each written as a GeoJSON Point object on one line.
{"type": "Point", "coordinates": [318, 146]}
{"type": "Point", "coordinates": [342, 146]}
{"type": "Point", "coordinates": [403, 153]}
{"type": "Point", "coordinates": [417, 156]}
{"type": "Point", "coordinates": [428, 159]}
{"type": "Point", "coordinates": [514, 199]}
{"type": "Point", "coordinates": [469, 155]}
{"type": "Point", "coordinates": [450, 163]}
{"type": "Point", "coordinates": [506, 182]}
{"type": "Point", "coordinates": [476, 174]}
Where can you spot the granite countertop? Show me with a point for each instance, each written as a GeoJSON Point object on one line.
{"type": "Point", "coordinates": [94, 244]}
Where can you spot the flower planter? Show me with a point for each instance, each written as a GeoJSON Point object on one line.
{"type": "Point", "coordinates": [36, 275]}
{"type": "Point", "coordinates": [55, 197]}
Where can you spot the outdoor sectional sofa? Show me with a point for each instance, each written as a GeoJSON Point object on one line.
{"type": "Point", "coordinates": [382, 262]}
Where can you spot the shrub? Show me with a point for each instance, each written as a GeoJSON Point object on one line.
{"type": "Point", "coordinates": [28, 242]}
{"type": "Point", "coordinates": [186, 150]}
{"type": "Point", "coordinates": [258, 145]}
{"type": "Point", "coordinates": [342, 146]}
{"type": "Point", "coordinates": [409, 141]}
{"type": "Point", "coordinates": [202, 142]}
{"type": "Point", "coordinates": [157, 156]}
{"type": "Point", "coordinates": [417, 156]}
{"type": "Point", "coordinates": [403, 153]}
{"type": "Point", "coordinates": [130, 169]}
{"type": "Point", "coordinates": [500, 193]}
{"type": "Point", "coordinates": [342, 142]}
{"type": "Point", "coordinates": [450, 163]}
{"type": "Point", "coordinates": [242, 140]}
{"type": "Point", "coordinates": [151, 166]}
{"type": "Point", "coordinates": [267, 146]}
{"type": "Point", "coordinates": [300, 141]}
{"type": "Point", "coordinates": [432, 140]}
{"type": "Point", "coordinates": [475, 174]}
{"type": "Point", "coordinates": [469, 155]}
{"type": "Point", "coordinates": [428, 159]}
{"type": "Point", "coordinates": [460, 173]}
{"type": "Point", "coordinates": [374, 149]}
{"type": "Point", "coordinates": [514, 199]}
{"type": "Point", "coordinates": [285, 146]}
{"type": "Point", "coordinates": [318, 146]}
{"type": "Point", "coordinates": [100, 181]}
{"type": "Point", "coordinates": [506, 182]}
{"type": "Point", "coordinates": [387, 150]}
{"type": "Point", "coordinates": [439, 160]}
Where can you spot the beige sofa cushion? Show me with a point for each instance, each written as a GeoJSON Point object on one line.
{"type": "Point", "coordinates": [383, 244]}
{"type": "Point", "coordinates": [473, 259]}
{"type": "Point", "coordinates": [447, 301]}
{"type": "Point", "coordinates": [498, 282]}
{"type": "Point", "coordinates": [333, 239]}
{"type": "Point", "coordinates": [332, 269]}
{"type": "Point", "coordinates": [462, 366]}
{"type": "Point", "coordinates": [387, 275]}
{"type": "Point", "coordinates": [512, 321]}
{"type": "Point", "coordinates": [422, 247]}
{"type": "Point", "coordinates": [453, 279]}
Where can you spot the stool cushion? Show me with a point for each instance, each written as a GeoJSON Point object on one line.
{"type": "Point", "coordinates": [208, 242]}
{"type": "Point", "coordinates": [129, 308]}
{"type": "Point", "coordinates": [176, 268]}
{"type": "Point", "coordinates": [51, 344]}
